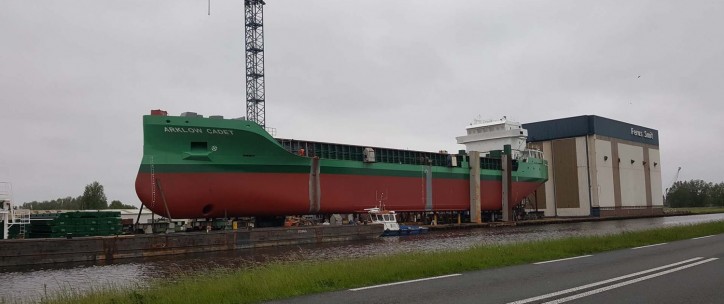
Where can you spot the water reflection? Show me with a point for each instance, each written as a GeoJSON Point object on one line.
{"type": "Point", "coordinates": [35, 282]}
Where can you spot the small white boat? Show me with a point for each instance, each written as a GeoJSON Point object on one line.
{"type": "Point", "coordinates": [389, 220]}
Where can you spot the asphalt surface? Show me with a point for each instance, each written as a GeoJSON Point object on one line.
{"type": "Point", "coordinates": [687, 271]}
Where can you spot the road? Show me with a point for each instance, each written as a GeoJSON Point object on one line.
{"type": "Point", "coordinates": [687, 271]}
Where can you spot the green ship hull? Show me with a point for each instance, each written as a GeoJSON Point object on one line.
{"type": "Point", "coordinates": [196, 167]}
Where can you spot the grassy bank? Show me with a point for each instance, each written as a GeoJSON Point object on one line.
{"type": "Point", "coordinates": [283, 280]}
{"type": "Point", "coordinates": [696, 210]}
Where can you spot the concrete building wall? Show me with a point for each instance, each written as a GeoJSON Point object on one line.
{"type": "Point", "coordinates": [585, 174]}
{"type": "Point", "coordinates": [565, 172]}
{"type": "Point", "coordinates": [584, 179]}
{"type": "Point", "coordinates": [599, 166]}
{"type": "Point", "coordinates": [604, 174]}
{"type": "Point", "coordinates": [565, 192]}
{"type": "Point", "coordinates": [593, 177]}
{"type": "Point", "coordinates": [631, 169]}
{"type": "Point", "coordinates": [550, 208]}
{"type": "Point", "coordinates": [576, 180]}
{"type": "Point", "coordinates": [654, 165]}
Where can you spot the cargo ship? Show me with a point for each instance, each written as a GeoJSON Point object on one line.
{"type": "Point", "coordinates": [211, 167]}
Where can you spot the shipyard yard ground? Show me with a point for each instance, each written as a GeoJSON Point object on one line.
{"type": "Point", "coordinates": [284, 280]}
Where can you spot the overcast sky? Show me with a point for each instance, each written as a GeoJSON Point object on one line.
{"type": "Point", "coordinates": [77, 76]}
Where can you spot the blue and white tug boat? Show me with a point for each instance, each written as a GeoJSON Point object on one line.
{"type": "Point", "coordinates": [389, 220]}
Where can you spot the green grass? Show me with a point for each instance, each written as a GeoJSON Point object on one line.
{"type": "Point", "coordinates": [282, 280]}
{"type": "Point", "coordinates": [696, 210]}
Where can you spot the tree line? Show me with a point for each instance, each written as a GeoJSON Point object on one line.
{"type": "Point", "coordinates": [695, 193]}
{"type": "Point", "coordinates": [93, 198]}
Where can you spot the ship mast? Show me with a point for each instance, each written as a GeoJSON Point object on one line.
{"type": "Point", "coordinates": [254, 41]}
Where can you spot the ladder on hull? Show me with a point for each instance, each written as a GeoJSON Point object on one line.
{"type": "Point", "coordinates": [11, 216]}
{"type": "Point", "coordinates": [22, 218]}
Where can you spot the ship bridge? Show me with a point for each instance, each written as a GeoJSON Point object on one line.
{"type": "Point", "coordinates": [490, 135]}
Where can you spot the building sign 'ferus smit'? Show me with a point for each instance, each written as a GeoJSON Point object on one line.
{"type": "Point", "coordinates": [644, 134]}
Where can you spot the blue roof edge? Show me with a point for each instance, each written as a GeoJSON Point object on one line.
{"type": "Point", "coordinates": [588, 125]}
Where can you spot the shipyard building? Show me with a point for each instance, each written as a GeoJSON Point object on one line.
{"type": "Point", "coordinates": [597, 167]}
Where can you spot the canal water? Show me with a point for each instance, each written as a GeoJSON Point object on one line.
{"type": "Point", "coordinates": [31, 284]}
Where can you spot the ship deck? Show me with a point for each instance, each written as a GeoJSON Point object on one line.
{"type": "Point", "coordinates": [336, 151]}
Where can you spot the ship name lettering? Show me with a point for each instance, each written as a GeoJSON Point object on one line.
{"type": "Point", "coordinates": [182, 130]}
{"type": "Point", "coordinates": [197, 130]}
{"type": "Point", "coordinates": [220, 131]}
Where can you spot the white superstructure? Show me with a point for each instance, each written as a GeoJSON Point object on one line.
{"type": "Point", "coordinates": [485, 136]}
{"type": "Point", "coordinates": [8, 214]}
{"type": "Point", "coordinates": [6, 208]}
{"type": "Point", "coordinates": [387, 218]}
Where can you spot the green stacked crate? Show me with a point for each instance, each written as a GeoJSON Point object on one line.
{"type": "Point", "coordinates": [77, 224]}
{"type": "Point", "coordinates": [44, 226]}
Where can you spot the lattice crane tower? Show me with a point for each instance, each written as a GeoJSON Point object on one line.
{"type": "Point", "coordinates": [254, 41]}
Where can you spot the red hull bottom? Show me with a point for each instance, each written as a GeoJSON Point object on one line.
{"type": "Point", "coordinates": [198, 195]}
